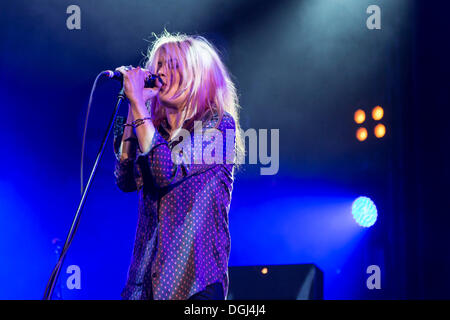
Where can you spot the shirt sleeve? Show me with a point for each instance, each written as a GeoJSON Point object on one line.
{"type": "Point", "coordinates": [123, 169]}
{"type": "Point", "coordinates": [124, 175]}
{"type": "Point", "coordinates": [161, 158]}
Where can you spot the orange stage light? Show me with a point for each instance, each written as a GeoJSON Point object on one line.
{"type": "Point", "coordinates": [360, 116]}
{"type": "Point", "coordinates": [380, 130]}
{"type": "Point", "coordinates": [377, 113]}
{"type": "Point", "coordinates": [361, 134]}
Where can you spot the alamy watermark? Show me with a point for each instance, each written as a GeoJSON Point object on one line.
{"type": "Point", "coordinates": [73, 22]}
{"type": "Point", "coordinates": [374, 280]}
{"type": "Point", "coordinates": [373, 22]}
{"type": "Point", "coordinates": [74, 280]}
{"type": "Point", "coordinates": [208, 147]}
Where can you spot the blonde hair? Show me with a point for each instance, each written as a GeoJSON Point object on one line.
{"type": "Point", "coordinates": [204, 76]}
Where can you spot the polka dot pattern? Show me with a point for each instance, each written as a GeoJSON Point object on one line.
{"type": "Point", "coordinates": [182, 239]}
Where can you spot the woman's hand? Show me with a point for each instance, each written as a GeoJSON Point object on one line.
{"type": "Point", "coordinates": [134, 82]}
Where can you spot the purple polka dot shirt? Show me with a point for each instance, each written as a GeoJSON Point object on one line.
{"type": "Point", "coordinates": [182, 239]}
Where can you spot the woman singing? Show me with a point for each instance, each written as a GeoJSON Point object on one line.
{"type": "Point", "coordinates": [182, 243]}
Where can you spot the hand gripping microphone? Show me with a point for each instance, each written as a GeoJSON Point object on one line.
{"type": "Point", "coordinates": [150, 81]}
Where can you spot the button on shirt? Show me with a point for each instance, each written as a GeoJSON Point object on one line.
{"type": "Point", "coordinates": [182, 239]}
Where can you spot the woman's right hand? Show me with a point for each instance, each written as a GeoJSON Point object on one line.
{"type": "Point", "coordinates": [134, 84]}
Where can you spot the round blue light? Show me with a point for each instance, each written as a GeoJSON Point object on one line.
{"type": "Point", "coordinates": [364, 212]}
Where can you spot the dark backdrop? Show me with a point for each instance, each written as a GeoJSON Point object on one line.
{"type": "Point", "coordinates": [302, 67]}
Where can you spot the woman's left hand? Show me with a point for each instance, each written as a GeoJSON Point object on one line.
{"type": "Point", "coordinates": [134, 82]}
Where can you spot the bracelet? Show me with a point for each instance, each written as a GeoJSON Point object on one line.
{"type": "Point", "coordinates": [136, 123]}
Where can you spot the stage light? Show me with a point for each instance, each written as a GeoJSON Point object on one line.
{"type": "Point", "coordinates": [380, 130]}
{"type": "Point", "coordinates": [377, 113]}
{"type": "Point", "coordinates": [364, 212]}
{"type": "Point", "coordinates": [264, 270]}
{"type": "Point", "coordinates": [360, 116]}
{"type": "Point", "coordinates": [361, 134]}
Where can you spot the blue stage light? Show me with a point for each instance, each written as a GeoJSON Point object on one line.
{"type": "Point", "coordinates": [364, 212]}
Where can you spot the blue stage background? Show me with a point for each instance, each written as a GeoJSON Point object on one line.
{"type": "Point", "coordinates": [302, 67]}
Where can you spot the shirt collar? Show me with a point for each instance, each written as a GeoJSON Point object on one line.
{"type": "Point", "coordinates": [188, 124]}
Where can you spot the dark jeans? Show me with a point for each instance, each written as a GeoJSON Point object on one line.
{"type": "Point", "coordinates": [212, 292]}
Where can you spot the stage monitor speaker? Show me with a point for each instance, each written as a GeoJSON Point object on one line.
{"type": "Point", "coordinates": [276, 282]}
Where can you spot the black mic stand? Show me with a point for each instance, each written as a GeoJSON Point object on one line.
{"type": "Point", "coordinates": [76, 220]}
{"type": "Point", "coordinates": [57, 251]}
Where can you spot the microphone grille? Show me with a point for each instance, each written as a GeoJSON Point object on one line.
{"type": "Point", "coordinates": [109, 73]}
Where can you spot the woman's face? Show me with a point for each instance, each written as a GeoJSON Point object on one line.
{"type": "Point", "coordinates": [172, 77]}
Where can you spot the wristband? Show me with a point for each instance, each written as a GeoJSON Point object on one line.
{"type": "Point", "coordinates": [136, 123]}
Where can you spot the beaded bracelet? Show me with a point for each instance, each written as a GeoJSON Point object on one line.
{"type": "Point", "coordinates": [136, 123]}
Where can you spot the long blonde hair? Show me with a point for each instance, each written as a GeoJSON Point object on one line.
{"type": "Point", "coordinates": [204, 76]}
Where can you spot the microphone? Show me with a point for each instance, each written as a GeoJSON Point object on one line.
{"type": "Point", "coordinates": [150, 81]}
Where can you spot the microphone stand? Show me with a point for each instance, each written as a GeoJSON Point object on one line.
{"type": "Point", "coordinates": [57, 250]}
{"type": "Point", "coordinates": [76, 220]}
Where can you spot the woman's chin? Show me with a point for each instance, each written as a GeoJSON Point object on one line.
{"type": "Point", "coordinates": [168, 105]}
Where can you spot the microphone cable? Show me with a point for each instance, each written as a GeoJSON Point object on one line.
{"type": "Point", "coordinates": [85, 129]}
{"type": "Point", "coordinates": [70, 237]}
